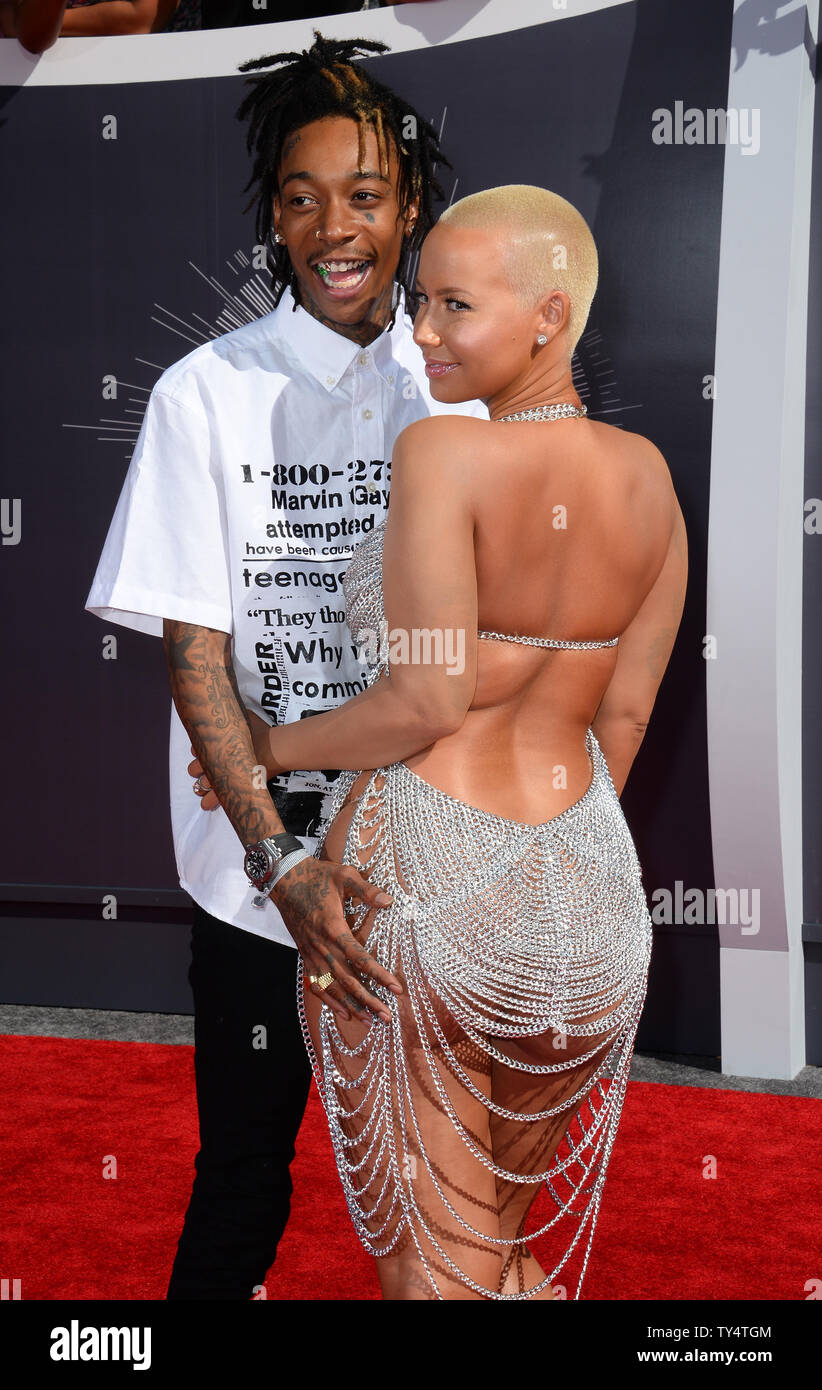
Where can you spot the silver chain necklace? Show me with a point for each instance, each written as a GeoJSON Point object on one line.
{"type": "Point", "coordinates": [544, 412]}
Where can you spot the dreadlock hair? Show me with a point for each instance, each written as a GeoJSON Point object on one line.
{"type": "Point", "coordinates": [324, 81]}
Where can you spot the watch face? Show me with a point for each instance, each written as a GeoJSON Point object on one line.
{"type": "Point", "coordinates": [257, 865]}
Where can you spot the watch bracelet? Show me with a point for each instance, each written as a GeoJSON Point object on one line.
{"type": "Point", "coordinates": [288, 861]}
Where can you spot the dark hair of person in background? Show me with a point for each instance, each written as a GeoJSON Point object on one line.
{"type": "Point", "coordinates": [324, 81]}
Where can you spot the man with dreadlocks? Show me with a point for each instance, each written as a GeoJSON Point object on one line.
{"type": "Point", "coordinates": [263, 458]}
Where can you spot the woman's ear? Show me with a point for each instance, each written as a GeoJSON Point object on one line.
{"type": "Point", "coordinates": [555, 312]}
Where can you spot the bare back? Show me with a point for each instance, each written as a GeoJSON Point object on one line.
{"type": "Point", "coordinates": [578, 534]}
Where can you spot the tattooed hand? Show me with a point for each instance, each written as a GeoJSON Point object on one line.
{"type": "Point", "coordinates": [310, 897]}
{"type": "Point", "coordinates": [312, 894]}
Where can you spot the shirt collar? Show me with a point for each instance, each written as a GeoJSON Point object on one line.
{"type": "Point", "coordinates": [328, 355]}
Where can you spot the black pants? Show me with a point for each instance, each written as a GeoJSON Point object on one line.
{"type": "Point", "coordinates": [252, 1074]}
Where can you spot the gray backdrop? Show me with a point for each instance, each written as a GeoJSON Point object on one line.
{"type": "Point", "coordinates": [100, 238]}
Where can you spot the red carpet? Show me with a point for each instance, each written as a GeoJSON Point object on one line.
{"type": "Point", "coordinates": [664, 1230]}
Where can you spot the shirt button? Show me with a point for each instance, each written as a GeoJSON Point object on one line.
{"type": "Point", "coordinates": [329, 381]}
{"type": "Point", "coordinates": [391, 380]}
{"type": "Point", "coordinates": [368, 415]}
{"type": "Point", "coordinates": [363, 359]}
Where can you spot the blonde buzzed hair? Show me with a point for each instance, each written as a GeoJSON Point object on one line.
{"type": "Point", "coordinates": [549, 244]}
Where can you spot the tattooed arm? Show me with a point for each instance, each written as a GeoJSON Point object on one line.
{"type": "Point", "coordinates": [310, 896]}
{"type": "Point", "coordinates": [205, 693]}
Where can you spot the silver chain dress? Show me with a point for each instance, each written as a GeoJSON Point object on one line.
{"type": "Point", "coordinates": [524, 954]}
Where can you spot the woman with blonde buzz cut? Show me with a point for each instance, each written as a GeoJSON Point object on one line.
{"type": "Point", "coordinates": [482, 794]}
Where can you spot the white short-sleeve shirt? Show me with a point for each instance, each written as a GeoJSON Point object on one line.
{"type": "Point", "coordinates": [262, 460]}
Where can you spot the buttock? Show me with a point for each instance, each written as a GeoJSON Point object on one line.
{"type": "Point", "coordinates": [518, 929]}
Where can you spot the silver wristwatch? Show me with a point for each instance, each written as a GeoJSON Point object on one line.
{"type": "Point", "coordinates": [267, 860]}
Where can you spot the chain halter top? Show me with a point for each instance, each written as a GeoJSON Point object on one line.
{"type": "Point", "coordinates": [365, 611]}
{"type": "Point", "coordinates": [362, 581]}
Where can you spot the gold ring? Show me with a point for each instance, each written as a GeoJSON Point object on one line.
{"type": "Point", "coordinates": [322, 981]}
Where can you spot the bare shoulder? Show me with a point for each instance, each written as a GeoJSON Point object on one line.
{"type": "Point", "coordinates": [626, 445]}
{"type": "Point", "coordinates": [640, 473]}
{"type": "Point", "coordinates": [638, 459]}
{"type": "Point", "coordinates": [442, 447]}
{"type": "Point", "coordinates": [647, 455]}
{"type": "Point", "coordinates": [441, 432]}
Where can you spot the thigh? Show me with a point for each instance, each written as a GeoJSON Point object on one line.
{"type": "Point", "coordinates": [529, 1147]}
{"type": "Point", "coordinates": [335, 848]}
{"type": "Point", "coordinates": [526, 1146]}
{"type": "Point", "coordinates": [410, 1136]}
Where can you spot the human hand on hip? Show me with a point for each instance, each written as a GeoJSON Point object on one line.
{"type": "Point", "coordinates": [310, 899]}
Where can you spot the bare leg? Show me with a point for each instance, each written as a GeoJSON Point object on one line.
{"type": "Point", "coordinates": [524, 1147]}
{"type": "Point", "coordinates": [416, 1103]}
{"type": "Point", "coordinates": [446, 1166]}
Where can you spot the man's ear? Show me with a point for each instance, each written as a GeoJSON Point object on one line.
{"type": "Point", "coordinates": [412, 214]}
{"type": "Point", "coordinates": [276, 208]}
